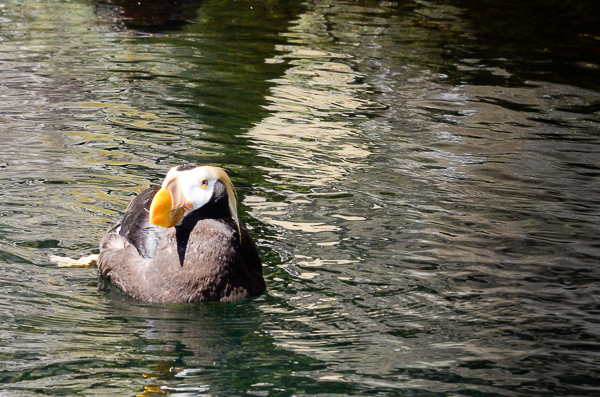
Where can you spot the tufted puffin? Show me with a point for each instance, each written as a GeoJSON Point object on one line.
{"type": "Point", "coordinates": [183, 242]}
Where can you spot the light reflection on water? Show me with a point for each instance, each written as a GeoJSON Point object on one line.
{"type": "Point", "coordinates": [427, 220]}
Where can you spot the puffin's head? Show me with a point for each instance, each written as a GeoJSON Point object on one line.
{"type": "Point", "coordinates": [187, 188]}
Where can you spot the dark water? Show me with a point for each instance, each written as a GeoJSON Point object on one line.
{"type": "Point", "coordinates": [422, 179]}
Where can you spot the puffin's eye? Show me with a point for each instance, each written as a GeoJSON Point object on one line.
{"type": "Point", "coordinates": [204, 183]}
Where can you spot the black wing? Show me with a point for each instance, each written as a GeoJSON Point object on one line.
{"type": "Point", "coordinates": [250, 253]}
{"type": "Point", "coordinates": [136, 227]}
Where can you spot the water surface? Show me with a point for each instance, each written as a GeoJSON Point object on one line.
{"type": "Point", "coordinates": [421, 178]}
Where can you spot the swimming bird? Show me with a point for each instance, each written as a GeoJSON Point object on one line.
{"type": "Point", "coordinates": [183, 242]}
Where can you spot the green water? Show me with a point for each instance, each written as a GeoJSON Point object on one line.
{"type": "Point", "coordinates": [421, 178]}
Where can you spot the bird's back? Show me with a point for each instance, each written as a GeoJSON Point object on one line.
{"type": "Point", "coordinates": [136, 227]}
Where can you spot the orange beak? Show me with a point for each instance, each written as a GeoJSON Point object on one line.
{"type": "Point", "coordinates": [169, 205]}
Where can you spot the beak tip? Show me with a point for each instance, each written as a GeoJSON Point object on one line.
{"type": "Point", "coordinates": [160, 208]}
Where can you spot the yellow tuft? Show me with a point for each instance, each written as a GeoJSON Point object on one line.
{"type": "Point", "coordinates": [220, 174]}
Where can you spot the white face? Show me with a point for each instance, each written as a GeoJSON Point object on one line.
{"type": "Point", "coordinates": [188, 190]}
{"type": "Point", "coordinates": [197, 186]}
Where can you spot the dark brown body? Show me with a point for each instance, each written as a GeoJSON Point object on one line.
{"type": "Point", "coordinates": [202, 259]}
